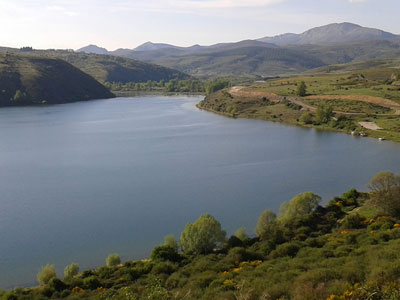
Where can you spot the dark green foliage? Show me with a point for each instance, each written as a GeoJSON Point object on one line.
{"type": "Point", "coordinates": [166, 267]}
{"type": "Point", "coordinates": [301, 89]}
{"type": "Point", "coordinates": [57, 285]}
{"type": "Point", "coordinates": [324, 114]}
{"type": "Point", "coordinates": [202, 236]}
{"type": "Point", "coordinates": [306, 118]}
{"type": "Point", "coordinates": [107, 68]}
{"type": "Point", "coordinates": [215, 86]}
{"type": "Point", "coordinates": [47, 273]}
{"type": "Point", "coordinates": [288, 249]}
{"type": "Point", "coordinates": [26, 79]}
{"type": "Point", "coordinates": [162, 253]}
{"type": "Point", "coordinates": [113, 260]}
{"type": "Point", "coordinates": [385, 187]}
{"type": "Point", "coordinates": [91, 282]}
{"type": "Point", "coordinates": [353, 221]}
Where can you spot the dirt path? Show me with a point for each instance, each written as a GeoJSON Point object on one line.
{"type": "Point", "coordinates": [369, 125]}
{"type": "Point", "coordinates": [237, 91]}
{"type": "Point", "coordinates": [363, 98]}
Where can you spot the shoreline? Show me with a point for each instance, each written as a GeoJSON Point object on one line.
{"type": "Point", "coordinates": [374, 134]}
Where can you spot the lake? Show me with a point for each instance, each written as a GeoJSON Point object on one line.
{"type": "Point", "coordinates": [80, 181]}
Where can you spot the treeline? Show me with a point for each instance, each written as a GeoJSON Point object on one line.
{"type": "Point", "coordinates": [346, 249]}
{"type": "Point", "coordinates": [172, 86]}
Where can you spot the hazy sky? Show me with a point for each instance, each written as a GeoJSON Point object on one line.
{"type": "Point", "coordinates": [129, 23]}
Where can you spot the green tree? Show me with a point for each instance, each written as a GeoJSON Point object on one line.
{"type": "Point", "coordinates": [241, 234]}
{"type": "Point", "coordinates": [171, 242]}
{"type": "Point", "coordinates": [306, 118]}
{"type": "Point", "coordinates": [71, 270]}
{"type": "Point", "coordinates": [202, 236]}
{"type": "Point", "coordinates": [385, 192]}
{"type": "Point", "coordinates": [113, 260]}
{"type": "Point", "coordinates": [301, 89]}
{"type": "Point", "coordinates": [324, 114]}
{"type": "Point", "coordinates": [46, 274]}
{"type": "Point", "coordinates": [19, 96]}
{"type": "Point", "coordinates": [266, 224]}
{"type": "Point", "coordinates": [299, 206]}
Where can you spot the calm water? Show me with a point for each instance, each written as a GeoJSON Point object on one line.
{"type": "Point", "coordinates": [80, 181]}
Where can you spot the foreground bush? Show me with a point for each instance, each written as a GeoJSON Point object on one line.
{"type": "Point", "coordinates": [113, 260]}
{"type": "Point", "coordinates": [46, 274]}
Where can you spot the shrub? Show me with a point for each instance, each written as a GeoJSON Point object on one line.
{"type": "Point", "coordinates": [241, 234]}
{"type": "Point", "coordinates": [202, 236]}
{"type": "Point", "coordinates": [113, 260]}
{"type": "Point", "coordinates": [353, 221]}
{"type": "Point", "coordinates": [306, 118]}
{"type": "Point", "coordinates": [266, 224]}
{"type": "Point", "coordinates": [91, 282]}
{"type": "Point", "coordinates": [287, 249]}
{"type": "Point", "coordinates": [71, 270]}
{"type": "Point", "coordinates": [164, 268]}
{"type": "Point", "coordinates": [162, 253]}
{"type": "Point", "coordinates": [46, 273]}
{"type": "Point", "coordinates": [171, 242]}
{"type": "Point", "coordinates": [57, 284]}
{"type": "Point", "coordinates": [301, 89]}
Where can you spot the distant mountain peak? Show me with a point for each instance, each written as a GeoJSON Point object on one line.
{"type": "Point", "coordinates": [150, 46]}
{"type": "Point", "coordinates": [330, 34]}
{"type": "Point", "coordinates": [93, 49]}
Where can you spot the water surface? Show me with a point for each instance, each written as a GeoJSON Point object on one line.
{"type": "Point", "coordinates": [80, 181]}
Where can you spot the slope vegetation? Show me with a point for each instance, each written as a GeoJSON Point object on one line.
{"type": "Point", "coordinates": [345, 249]}
{"type": "Point", "coordinates": [28, 79]}
{"type": "Point", "coordinates": [106, 68]}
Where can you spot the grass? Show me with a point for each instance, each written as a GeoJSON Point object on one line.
{"type": "Point", "coordinates": [28, 79]}
{"type": "Point", "coordinates": [352, 106]}
{"type": "Point", "coordinates": [365, 95]}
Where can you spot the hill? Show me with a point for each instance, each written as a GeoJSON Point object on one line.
{"type": "Point", "coordinates": [28, 79]}
{"type": "Point", "coordinates": [246, 59]}
{"type": "Point", "coordinates": [93, 49]}
{"type": "Point", "coordinates": [331, 34]}
{"type": "Point", "coordinates": [321, 46]}
{"type": "Point", "coordinates": [107, 68]}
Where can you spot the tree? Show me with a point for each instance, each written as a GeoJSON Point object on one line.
{"type": "Point", "coordinates": [241, 234]}
{"type": "Point", "coordinates": [306, 118]}
{"type": "Point", "coordinates": [113, 260]}
{"type": "Point", "coordinates": [171, 242]}
{"type": "Point", "coordinates": [385, 192]}
{"type": "Point", "coordinates": [202, 236]}
{"type": "Point", "coordinates": [71, 270]}
{"type": "Point", "coordinates": [324, 114]}
{"type": "Point", "coordinates": [299, 206]}
{"type": "Point", "coordinates": [19, 96]}
{"type": "Point", "coordinates": [266, 224]}
{"type": "Point", "coordinates": [46, 274]}
{"type": "Point", "coordinates": [301, 89]}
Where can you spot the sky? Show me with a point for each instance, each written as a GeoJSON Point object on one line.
{"type": "Point", "coordinates": [71, 24]}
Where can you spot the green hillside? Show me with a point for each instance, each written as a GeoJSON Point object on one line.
{"type": "Point", "coordinates": [28, 79]}
{"type": "Point", "coordinates": [237, 61]}
{"type": "Point", "coordinates": [107, 68]}
{"type": "Point", "coordinates": [346, 249]}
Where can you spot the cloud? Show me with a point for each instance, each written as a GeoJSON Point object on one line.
{"type": "Point", "coordinates": [223, 3]}
{"type": "Point", "coordinates": [357, 1]}
{"type": "Point", "coordinates": [61, 9]}
{"type": "Point", "coordinates": [182, 6]}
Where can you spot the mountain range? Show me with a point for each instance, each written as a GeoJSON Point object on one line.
{"type": "Point", "coordinates": [283, 54]}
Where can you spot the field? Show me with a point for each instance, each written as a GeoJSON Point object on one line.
{"type": "Point", "coordinates": [371, 96]}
